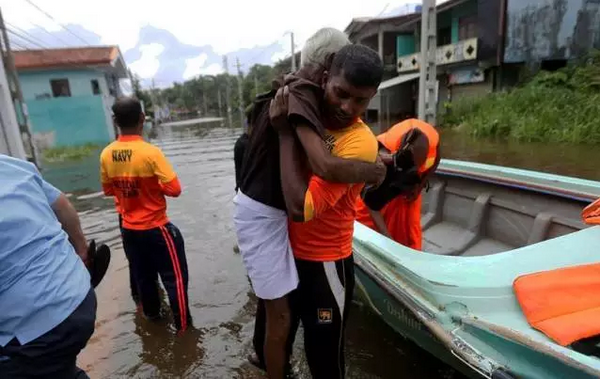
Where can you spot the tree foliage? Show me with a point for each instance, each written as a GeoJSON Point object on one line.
{"type": "Point", "coordinates": [559, 106]}
{"type": "Point", "coordinates": [201, 94]}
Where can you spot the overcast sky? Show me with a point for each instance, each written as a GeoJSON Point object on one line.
{"type": "Point", "coordinates": [227, 25]}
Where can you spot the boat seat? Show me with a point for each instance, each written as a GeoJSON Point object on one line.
{"type": "Point", "coordinates": [465, 237]}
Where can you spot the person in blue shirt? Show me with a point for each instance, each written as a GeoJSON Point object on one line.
{"type": "Point", "coordinates": [47, 305]}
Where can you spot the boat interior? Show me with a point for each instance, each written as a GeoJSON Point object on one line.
{"type": "Point", "coordinates": [466, 216]}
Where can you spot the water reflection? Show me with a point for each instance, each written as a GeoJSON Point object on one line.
{"type": "Point", "coordinates": [165, 354]}
{"type": "Point", "coordinates": [564, 159]}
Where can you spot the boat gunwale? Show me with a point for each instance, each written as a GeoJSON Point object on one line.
{"type": "Point", "coordinates": [555, 184]}
{"type": "Point", "coordinates": [525, 340]}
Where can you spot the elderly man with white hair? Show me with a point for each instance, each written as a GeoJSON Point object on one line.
{"type": "Point", "coordinates": [261, 214]}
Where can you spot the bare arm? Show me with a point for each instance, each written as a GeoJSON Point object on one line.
{"type": "Point", "coordinates": [335, 169]}
{"type": "Point", "coordinates": [379, 223]}
{"type": "Point", "coordinates": [68, 218]}
{"type": "Point", "coordinates": [293, 181]}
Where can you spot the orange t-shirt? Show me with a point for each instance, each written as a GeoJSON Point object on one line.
{"type": "Point", "coordinates": [139, 176]}
{"type": "Point", "coordinates": [330, 208]}
{"type": "Point", "coordinates": [402, 218]}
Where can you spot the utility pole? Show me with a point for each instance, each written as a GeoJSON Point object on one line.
{"type": "Point", "coordinates": [428, 72]}
{"type": "Point", "coordinates": [293, 53]}
{"type": "Point", "coordinates": [240, 91]}
{"type": "Point", "coordinates": [255, 85]}
{"type": "Point", "coordinates": [227, 90]}
{"type": "Point", "coordinates": [219, 100]}
{"type": "Point", "coordinates": [16, 93]}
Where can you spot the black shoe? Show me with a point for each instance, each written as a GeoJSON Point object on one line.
{"type": "Point", "coordinates": [99, 259]}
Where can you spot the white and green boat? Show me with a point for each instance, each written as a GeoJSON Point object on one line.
{"type": "Point", "coordinates": [483, 226]}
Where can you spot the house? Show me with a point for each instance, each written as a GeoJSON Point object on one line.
{"type": "Point", "coordinates": [483, 46]}
{"type": "Point", "coordinates": [545, 34]}
{"type": "Point", "coordinates": [69, 92]}
{"type": "Point", "coordinates": [468, 54]}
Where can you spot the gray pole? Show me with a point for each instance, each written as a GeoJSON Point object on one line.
{"type": "Point", "coordinates": [17, 93]}
{"type": "Point", "coordinates": [293, 53]}
{"type": "Point", "coordinates": [428, 72]}
{"type": "Point", "coordinates": [240, 91]}
{"type": "Point", "coordinates": [219, 100]}
{"type": "Point", "coordinates": [227, 90]}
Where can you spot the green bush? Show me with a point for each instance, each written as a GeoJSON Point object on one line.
{"type": "Point", "coordinates": [561, 106]}
{"type": "Point", "coordinates": [69, 153]}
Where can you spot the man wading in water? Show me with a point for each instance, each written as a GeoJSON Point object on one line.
{"type": "Point", "coordinates": [260, 209]}
{"type": "Point", "coordinates": [140, 176]}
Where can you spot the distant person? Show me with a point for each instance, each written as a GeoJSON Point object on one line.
{"type": "Point", "coordinates": [411, 148]}
{"type": "Point", "coordinates": [321, 212]}
{"type": "Point", "coordinates": [260, 209]}
{"type": "Point", "coordinates": [47, 305]}
{"type": "Point", "coordinates": [140, 176]}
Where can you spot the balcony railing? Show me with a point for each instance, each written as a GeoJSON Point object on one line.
{"type": "Point", "coordinates": [461, 51]}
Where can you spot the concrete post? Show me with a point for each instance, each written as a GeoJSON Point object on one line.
{"type": "Point", "coordinates": [10, 136]}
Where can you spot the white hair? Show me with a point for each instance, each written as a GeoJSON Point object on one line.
{"type": "Point", "coordinates": [320, 45]}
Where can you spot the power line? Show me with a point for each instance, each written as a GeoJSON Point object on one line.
{"type": "Point", "coordinates": [26, 39]}
{"type": "Point", "coordinates": [21, 47]}
{"type": "Point", "coordinates": [51, 34]}
{"type": "Point", "coordinates": [58, 23]}
{"type": "Point", "coordinates": [26, 33]}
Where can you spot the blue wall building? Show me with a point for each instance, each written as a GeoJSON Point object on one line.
{"type": "Point", "coordinates": [69, 92]}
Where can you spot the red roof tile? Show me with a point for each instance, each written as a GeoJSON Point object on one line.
{"type": "Point", "coordinates": [77, 56]}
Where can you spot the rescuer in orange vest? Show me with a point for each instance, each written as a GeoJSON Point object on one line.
{"type": "Point", "coordinates": [411, 151]}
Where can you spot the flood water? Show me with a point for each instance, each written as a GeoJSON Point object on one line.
{"type": "Point", "coordinates": [125, 345]}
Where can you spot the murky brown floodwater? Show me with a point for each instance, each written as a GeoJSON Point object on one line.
{"type": "Point", "coordinates": [222, 305]}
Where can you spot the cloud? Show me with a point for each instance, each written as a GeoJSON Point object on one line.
{"type": "Point", "coordinates": [227, 25]}
{"type": "Point", "coordinates": [193, 66]}
{"type": "Point", "coordinates": [148, 65]}
{"type": "Point", "coordinates": [279, 56]}
{"type": "Point", "coordinates": [213, 69]}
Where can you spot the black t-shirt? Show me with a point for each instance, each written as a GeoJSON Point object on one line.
{"type": "Point", "coordinates": [396, 183]}
{"type": "Point", "coordinates": [238, 157]}
{"type": "Point", "coordinates": [260, 178]}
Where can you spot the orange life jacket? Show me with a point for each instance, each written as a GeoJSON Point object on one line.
{"type": "Point", "coordinates": [403, 215]}
{"type": "Point", "coordinates": [393, 138]}
{"type": "Point", "coordinates": [564, 303]}
{"type": "Point", "coordinates": [591, 213]}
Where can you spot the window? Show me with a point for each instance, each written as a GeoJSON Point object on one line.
{"type": "Point", "coordinates": [467, 28]}
{"type": "Point", "coordinates": [444, 36]}
{"type": "Point", "coordinates": [96, 87]}
{"type": "Point", "coordinates": [60, 88]}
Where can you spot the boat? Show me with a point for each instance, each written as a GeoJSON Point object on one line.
{"type": "Point", "coordinates": [483, 226]}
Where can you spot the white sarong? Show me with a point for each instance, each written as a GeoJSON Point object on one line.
{"type": "Point", "coordinates": [262, 233]}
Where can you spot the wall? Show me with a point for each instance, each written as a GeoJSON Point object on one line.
{"type": "Point", "coordinates": [69, 120]}
{"type": "Point", "coordinates": [405, 44]}
{"type": "Point", "coordinates": [489, 18]}
{"type": "Point", "coordinates": [539, 30]}
{"type": "Point", "coordinates": [38, 82]}
{"type": "Point", "coordinates": [461, 91]}
{"type": "Point", "coordinates": [61, 121]}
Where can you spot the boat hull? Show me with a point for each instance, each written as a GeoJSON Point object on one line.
{"type": "Point", "coordinates": [403, 321]}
